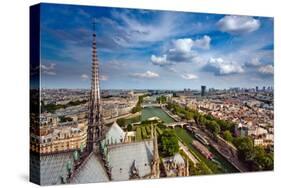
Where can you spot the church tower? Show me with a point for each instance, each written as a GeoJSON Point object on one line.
{"type": "Point", "coordinates": [95, 124]}
{"type": "Point", "coordinates": [155, 171]}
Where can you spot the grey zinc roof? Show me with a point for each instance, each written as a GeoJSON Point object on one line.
{"type": "Point", "coordinates": [122, 156]}
{"type": "Point", "coordinates": [51, 168]}
{"type": "Point", "coordinates": [92, 171]}
{"type": "Point", "coordinates": [115, 134]}
{"type": "Point", "coordinates": [178, 159]}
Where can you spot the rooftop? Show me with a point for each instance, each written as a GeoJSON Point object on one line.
{"type": "Point", "coordinates": [121, 158]}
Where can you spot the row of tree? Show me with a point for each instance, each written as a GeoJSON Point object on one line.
{"type": "Point", "coordinates": [257, 158]}
{"type": "Point", "coordinates": [168, 143]}
{"type": "Point", "coordinates": [53, 107]}
{"type": "Point", "coordinates": [123, 122]}
{"type": "Point", "coordinates": [137, 108]}
{"type": "Point", "coordinates": [161, 100]}
{"type": "Point", "coordinates": [214, 125]}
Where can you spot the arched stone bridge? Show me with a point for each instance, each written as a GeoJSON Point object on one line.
{"type": "Point", "coordinates": [152, 105]}
{"type": "Point", "coordinates": [174, 124]}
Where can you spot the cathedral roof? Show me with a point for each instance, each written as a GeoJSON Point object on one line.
{"type": "Point", "coordinates": [53, 167]}
{"type": "Point", "coordinates": [178, 159]}
{"type": "Point", "coordinates": [91, 172]}
{"type": "Point", "coordinates": [115, 134]}
{"type": "Point", "coordinates": [121, 158]}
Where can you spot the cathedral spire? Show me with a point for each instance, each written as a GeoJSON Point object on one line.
{"type": "Point", "coordinates": [95, 126]}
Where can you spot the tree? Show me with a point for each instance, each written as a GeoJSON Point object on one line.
{"type": "Point", "coordinates": [245, 148]}
{"type": "Point", "coordinates": [227, 136]}
{"type": "Point", "coordinates": [266, 162]}
{"type": "Point", "coordinates": [169, 143]}
{"type": "Point", "coordinates": [162, 99]}
{"type": "Point", "coordinates": [209, 117]}
{"type": "Point", "coordinates": [262, 160]}
{"type": "Point", "coordinates": [121, 122]}
{"type": "Point", "coordinates": [65, 119]}
{"type": "Point", "coordinates": [129, 127]}
{"type": "Point", "coordinates": [203, 120]}
{"type": "Point", "coordinates": [137, 108]}
{"type": "Point", "coordinates": [188, 115]}
{"type": "Point", "coordinates": [213, 126]}
{"type": "Point", "coordinates": [255, 157]}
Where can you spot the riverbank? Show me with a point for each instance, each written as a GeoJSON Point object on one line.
{"type": "Point", "coordinates": [125, 116]}
{"type": "Point", "coordinates": [217, 168]}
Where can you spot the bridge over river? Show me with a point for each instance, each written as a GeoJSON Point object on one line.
{"type": "Point", "coordinates": [175, 124]}
{"type": "Point", "coordinates": [144, 105]}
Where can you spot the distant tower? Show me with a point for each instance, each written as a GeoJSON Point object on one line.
{"type": "Point", "coordinates": [155, 171]}
{"type": "Point", "coordinates": [203, 91]}
{"type": "Point", "coordinates": [95, 125]}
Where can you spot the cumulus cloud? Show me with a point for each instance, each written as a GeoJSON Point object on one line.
{"type": "Point", "coordinates": [187, 76]}
{"type": "Point", "coordinates": [186, 44]}
{"type": "Point", "coordinates": [48, 69]}
{"type": "Point", "coordinates": [182, 50]}
{"type": "Point", "coordinates": [238, 24]}
{"type": "Point", "coordinates": [182, 45]}
{"type": "Point", "coordinates": [84, 77]}
{"type": "Point", "coordinates": [147, 74]}
{"type": "Point", "coordinates": [159, 60]}
{"type": "Point", "coordinates": [267, 69]}
{"type": "Point", "coordinates": [103, 77]}
{"type": "Point", "coordinates": [254, 62]}
{"type": "Point", "coordinates": [175, 56]}
{"type": "Point", "coordinates": [222, 67]}
{"type": "Point", "coordinates": [203, 43]}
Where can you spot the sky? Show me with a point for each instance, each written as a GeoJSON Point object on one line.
{"type": "Point", "coordinates": [152, 49]}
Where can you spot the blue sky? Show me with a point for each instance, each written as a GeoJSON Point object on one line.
{"type": "Point", "coordinates": [149, 49]}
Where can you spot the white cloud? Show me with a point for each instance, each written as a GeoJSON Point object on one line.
{"type": "Point", "coordinates": [175, 56]}
{"type": "Point", "coordinates": [84, 77]}
{"type": "Point", "coordinates": [203, 43]}
{"type": "Point", "coordinates": [238, 24]}
{"type": "Point", "coordinates": [267, 69]}
{"type": "Point", "coordinates": [133, 32]}
{"type": "Point", "coordinates": [172, 69]}
{"type": "Point", "coordinates": [48, 69]}
{"type": "Point", "coordinates": [181, 50]}
{"type": "Point", "coordinates": [222, 67]}
{"type": "Point", "coordinates": [187, 76]}
{"type": "Point", "coordinates": [185, 45]}
{"type": "Point", "coordinates": [147, 74]}
{"type": "Point", "coordinates": [159, 60]}
{"type": "Point", "coordinates": [182, 45]}
{"type": "Point", "coordinates": [103, 77]}
{"type": "Point", "coordinates": [254, 62]}
{"type": "Point", "coordinates": [51, 73]}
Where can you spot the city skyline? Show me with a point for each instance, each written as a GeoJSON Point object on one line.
{"type": "Point", "coordinates": [148, 49]}
{"type": "Point", "coordinates": [153, 126]}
